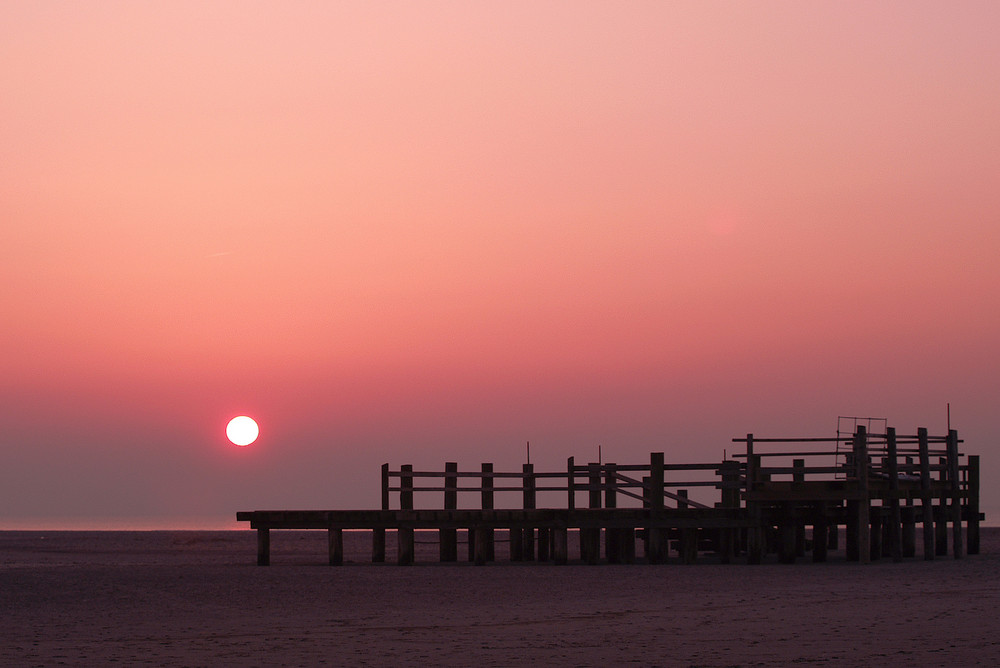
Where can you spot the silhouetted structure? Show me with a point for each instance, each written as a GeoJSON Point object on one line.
{"type": "Point", "coordinates": [763, 501]}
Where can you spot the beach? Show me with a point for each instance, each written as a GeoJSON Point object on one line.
{"type": "Point", "coordinates": [197, 598]}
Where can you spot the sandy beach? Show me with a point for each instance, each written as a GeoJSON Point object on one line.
{"type": "Point", "coordinates": [196, 598]}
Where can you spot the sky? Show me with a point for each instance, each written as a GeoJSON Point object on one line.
{"type": "Point", "coordinates": [426, 232]}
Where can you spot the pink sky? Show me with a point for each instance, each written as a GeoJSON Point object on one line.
{"type": "Point", "coordinates": [419, 232]}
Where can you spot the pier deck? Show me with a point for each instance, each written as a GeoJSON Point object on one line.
{"type": "Point", "coordinates": [878, 487]}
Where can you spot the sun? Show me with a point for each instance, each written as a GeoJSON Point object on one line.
{"type": "Point", "coordinates": [242, 430]}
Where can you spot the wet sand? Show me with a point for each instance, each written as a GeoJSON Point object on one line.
{"type": "Point", "coordinates": [196, 598]}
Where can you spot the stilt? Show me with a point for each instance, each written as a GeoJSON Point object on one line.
{"type": "Point", "coordinates": [263, 546]}
{"type": "Point", "coordinates": [560, 552]}
{"type": "Point", "coordinates": [335, 539]}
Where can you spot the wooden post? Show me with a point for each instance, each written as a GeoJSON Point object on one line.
{"type": "Point", "coordinates": [787, 531]}
{"type": "Point", "coordinates": [851, 549]}
{"type": "Point", "coordinates": [515, 538]}
{"type": "Point", "coordinates": [800, 527]}
{"type": "Point", "coordinates": [755, 533]}
{"type": "Point", "coordinates": [479, 542]}
{"type": "Point", "coordinates": [957, 545]}
{"type": "Point", "coordinates": [646, 505]}
{"type": "Point", "coordinates": [941, 511]}
{"type": "Point", "coordinates": [335, 538]}
{"type": "Point", "coordinates": [406, 487]}
{"type": "Point", "coordinates": [378, 533]}
{"type": "Point", "coordinates": [404, 535]}
{"type": "Point", "coordinates": [590, 537]}
{"type": "Point", "coordinates": [560, 551]}
{"type": "Point", "coordinates": [908, 531]}
{"type": "Point", "coordinates": [263, 546]}
{"type": "Point", "coordinates": [528, 541]}
{"type": "Point", "coordinates": [925, 493]}
{"type": "Point", "coordinates": [895, 543]}
{"type": "Point", "coordinates": [385, 486]}
{"type": "Point", "coordinates": [448, 537]}
{"type": "Point", "coordinates": [730, 474]}
{"type": "Point", "coordinates": [378, 545]}
{"type": "Point", "coordinates": [688, 535]}
{"type": "Point", "coordinates": [972, 504]}
{"type": "Point", "coordinates": [864, 505]}
{"type": "Point", "coordinates": [404, 546]}
{"type": "Point", "coordinates": [875, 535]}
{"type": "Point", "coordinates": [612, 536]}
{"type": "Point", "coordinates": [544, 543]}
{"type": "Point", "coordinates": [489, 549]}
{"type": "Point", "coordinates": [820, 533]}
{"type": "Point", "coordinates": [657, 536]}
{"type": "Point", "coordinates": [833, 537]}
{"type": "Point", "coordinates": [570, 484]}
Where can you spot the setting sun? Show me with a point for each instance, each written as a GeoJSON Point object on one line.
{"type": "Point", "coordinates": [242, 430]}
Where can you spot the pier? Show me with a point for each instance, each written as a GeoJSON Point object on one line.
{"type": "Point", "coordinates": [787, 497]}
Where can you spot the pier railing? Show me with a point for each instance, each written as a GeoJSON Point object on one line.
{"type": "Point", "coordinates": [600, 484]}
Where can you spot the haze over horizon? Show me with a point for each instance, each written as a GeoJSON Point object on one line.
{"type": "Point", "coordinates": [428, 232]}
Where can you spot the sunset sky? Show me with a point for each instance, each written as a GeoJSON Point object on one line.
{"type": "Point", "coordinates": [418, 232]}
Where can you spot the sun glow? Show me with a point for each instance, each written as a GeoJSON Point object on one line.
{"type": "Point", "coordinates": [242, 430]}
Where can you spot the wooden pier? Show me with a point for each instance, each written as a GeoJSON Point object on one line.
{"type": "Point", "coordinates": [878, 487]}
